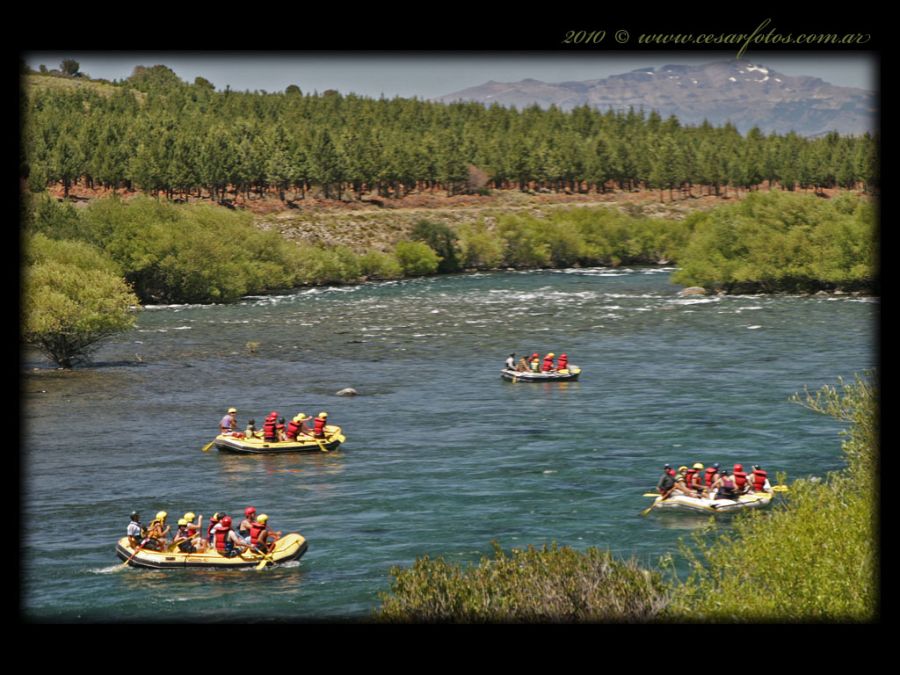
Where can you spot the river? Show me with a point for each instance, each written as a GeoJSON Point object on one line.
{"type": "Point", "coordinates": [442, 458]}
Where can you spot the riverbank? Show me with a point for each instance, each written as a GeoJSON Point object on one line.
{"type": "Point", "coordinates": [377, 223]}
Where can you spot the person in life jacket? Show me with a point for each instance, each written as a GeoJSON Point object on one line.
{"type": "Point", "coordinates": [548, 363]}
{"type": "Point", "coordinates": [535, 362]}
{"type": "Point", "coordinates": [692, 479]}
{"type": "Point", "coordinates": [270, 428]}
{"type": "Point", "coordinates": [260, 534]}
{"type": "Point", "coordinates": [213, 524]}
{"type": "Point", "coordinates": [710, 476]}
{"type": "Point", "coordinates": [295, 427]}
{"type": "Point", "coordinates": [725, 486]}
{"type": "Point", "coordinates": [193, 530]}
{"type": "Point", "coordinates": [563, 363]}
{"type": "Point", "coordinates": [251, 430]}
{"type": "Point", "coordinates": [228, 424]}
{"type": "Point", "coordinates": [157, 531]}
{"type": "Point", "coordinates": [666, 482]}
{"type": "Point", "coordinates": [319, 425]}
{"type": "Point", "coordinates": [182, 539]}
{"type": "Point", "coordinates": [681, 484]}
{"type": "Point", "coordinates": [279, 429]}
{"type": "Point", "coordinates": [247, 523]}
{"type": "Point", "coordinates": [760, 479]}
{"type": "Point", "coordinates": [228, 543]}
{"type": "Point", "coordinates": [136, 532]}
{"type": "Point", "coordinates": [740, 479]}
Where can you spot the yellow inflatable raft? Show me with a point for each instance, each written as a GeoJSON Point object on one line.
{"type": "Point", "coordinates": [289, 547]}
{"type": "Point", "coordinates": [332, 441]}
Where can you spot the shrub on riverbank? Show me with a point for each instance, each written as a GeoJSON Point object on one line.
{"type": "Point", "coordinates": [551, 584]}
{"type": "Point", "coordinates": [74, 297]}
{"type": "Point", "coordinates": [779, 242]}
{"type": "Point", "coordinates": [813, 560]}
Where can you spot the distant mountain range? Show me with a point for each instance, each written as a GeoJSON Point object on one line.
{"type": "Point", "coordinates": [747, 95]}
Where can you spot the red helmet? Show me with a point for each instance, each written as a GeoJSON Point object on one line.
{"type": "Point", "coordinates": [249, 511]}
{"type": "Point", "coordinates": [738, 467]}
{"type": "Point", "coordinates": [226, 521]}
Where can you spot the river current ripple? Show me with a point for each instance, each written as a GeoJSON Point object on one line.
{"type": "Point", "coordinates": [442, 457]}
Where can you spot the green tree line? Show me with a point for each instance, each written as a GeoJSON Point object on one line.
{"type": "Point", "coordinates": [156, 133]}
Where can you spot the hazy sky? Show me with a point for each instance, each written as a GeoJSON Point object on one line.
{"type": "Point", "coordinates": [432, 74]}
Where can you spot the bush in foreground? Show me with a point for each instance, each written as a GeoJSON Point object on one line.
{"type": "Point", "coordinates": [813, 559]}
{"type": "Point", "coordinates": [73, 299]}
{"type": "Point", "coordinates": [550, 584]}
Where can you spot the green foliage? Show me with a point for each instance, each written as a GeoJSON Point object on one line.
{"type": "Point", "coordinates": [774, 241]}
{"type": "Point", "coordinates": [319, 265]}
{"type": "Point", "coordinates": [813, 559]}
{"type": "Point", "coordinates": [442, 240]}
{"type": "Point", "coordinates": [480, 247]}
{"type": "Point", "coordinates": [416, 258]}
{"type": "Point", "coordinates": [73, 299]}
{"type": "Point", "coordinates": [378, 265]}
{"type": "Point", "coordinates": [550, 584]}
{"type": "Point", "coordinates": [176, 253]}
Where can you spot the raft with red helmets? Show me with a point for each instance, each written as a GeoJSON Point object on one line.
{"type": "Point", "coordinates": [331, 440]}
{"type": "Point", "coordinates": [569, 374]}
{"type": "Point", "coordinates": [289, 547]}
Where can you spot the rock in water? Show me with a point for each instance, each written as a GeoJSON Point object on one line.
{"type": "Point", "coordinates": [349, 391]}
{"type": "Point", "coordinates": [693, 290]}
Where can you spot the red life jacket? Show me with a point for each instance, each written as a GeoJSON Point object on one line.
{"type": "Point", "coordinates": [319, 426]}
{"type": "Point", "coordinates": [689, 477]}
{"type": "Point", "coordinates": [759, 479]}
{"type": "Point", "coordinates": [740, 478]}
{"type": "Point", "coordinates": [269, 432]}
{"type": "Point", "coordinates": [548, 365]}
{"type": "Point", "coordinates": [563, 363]}
{"type": "Point", "coordinates": [671, 472]}
{"type": "Point", "coordinates": [292, 429]}
{"type": "Point", "coordinates": [221, 539]}
{"type": "Point", "coordinates": [710, 475]}
{"type": "Point", "coordinates": [255, 529]}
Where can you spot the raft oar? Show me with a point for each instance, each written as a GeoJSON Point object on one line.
{"type": "Point", "coordinates": [206, 447]}
{"type": "Point", "coordinates": [138, 550]}
{"type": "Point", "coordinates": [652, 506]}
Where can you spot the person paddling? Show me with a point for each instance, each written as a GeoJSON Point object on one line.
{"type": "Point", "coordinates": [319, 425]}
{"type": "Point", "coordinates": [135, 531]}
{"type": "Point", "coordinates": [760, 479]}
{"type": "Point", "coordinates": [157, 531]}
{"type": "Point", "coordinates": [260, 533]}
{"type": "Point", "coordinates": [247, 523]}
{"type": "Point", "coordinates": [563, 362]}
{"type": "Point", "coordinates": [228, 424]}
{"type": "Point", "coordinates": [228, 543]}
{"type": "Point", "coordinates": [724, 486]}
{"type": "Point", "coordinates": [548, 363]}
{"type": "Point", "coordinates": [666, 483]}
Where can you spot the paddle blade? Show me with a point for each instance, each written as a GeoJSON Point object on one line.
{"type": "Point", "coordinates": [206, 447]}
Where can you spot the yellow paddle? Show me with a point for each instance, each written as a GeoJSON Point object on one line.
{"type": "Point", "coordinates": [206, 447]}
{"type": "Point", "coordinates": [659, 498]}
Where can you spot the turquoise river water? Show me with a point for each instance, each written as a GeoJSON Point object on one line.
{"type": "Point", "coordinates": [442, 458]}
